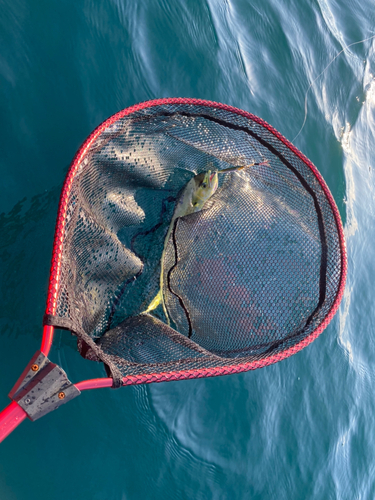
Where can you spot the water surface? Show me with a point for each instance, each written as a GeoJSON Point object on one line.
{"type": "Point", "coordinates": [300, 429]}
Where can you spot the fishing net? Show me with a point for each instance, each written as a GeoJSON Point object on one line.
{"type": "Point", "coordinates": [248, 280]}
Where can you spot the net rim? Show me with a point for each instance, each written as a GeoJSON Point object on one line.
{"type": "Point", "coordinates": [55, 271]}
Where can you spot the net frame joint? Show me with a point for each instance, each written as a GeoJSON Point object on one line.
{"type": "Point", "coordinates": [42, 387]}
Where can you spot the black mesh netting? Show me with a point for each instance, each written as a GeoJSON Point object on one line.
{"type": "Point", "coordinates": [252, 274]}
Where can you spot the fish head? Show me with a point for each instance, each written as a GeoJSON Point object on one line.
{"type": "Point", "coordinates": [206, 184]}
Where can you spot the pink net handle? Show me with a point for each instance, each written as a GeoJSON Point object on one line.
{"type": "Point", "coordinates": [10, 418]}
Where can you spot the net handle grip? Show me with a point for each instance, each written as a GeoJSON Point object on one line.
{"type": "Point", "coordinates": [10, 418]}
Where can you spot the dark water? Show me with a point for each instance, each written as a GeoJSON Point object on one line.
{"type": "Point", "coordinates": [300, 429]}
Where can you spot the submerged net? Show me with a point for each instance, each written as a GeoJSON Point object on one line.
{"type": "Point", "coordinates": [250, 279]}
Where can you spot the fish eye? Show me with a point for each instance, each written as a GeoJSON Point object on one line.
{"type": "Point", "coordinates": [204, 185]}
{"type": "Point", "coordinates": [195, 204]}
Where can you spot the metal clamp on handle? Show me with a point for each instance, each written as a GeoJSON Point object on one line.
{"type": "Point", "coordinates": [42, 387]}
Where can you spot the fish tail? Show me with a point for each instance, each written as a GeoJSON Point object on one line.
{"type": "Point", "coordinates": [156, 301]}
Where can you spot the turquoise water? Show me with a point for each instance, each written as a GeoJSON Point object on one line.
{"type": "Point", "coordinates": [300, 429]}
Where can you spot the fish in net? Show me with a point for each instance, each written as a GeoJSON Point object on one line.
{"type": "Point", "coordinates": [158, 288]}
{"type": "Point", "coordinates": [247, 278]}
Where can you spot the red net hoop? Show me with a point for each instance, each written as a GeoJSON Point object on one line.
{"type": "Point", "coordinates": [251, 279]}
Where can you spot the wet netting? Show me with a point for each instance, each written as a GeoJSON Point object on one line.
{"type": "Point", "coordinates": [250, 278]}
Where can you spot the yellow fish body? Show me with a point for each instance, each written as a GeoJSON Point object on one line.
{"type": "Point", "coordinates": [192, 199]}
